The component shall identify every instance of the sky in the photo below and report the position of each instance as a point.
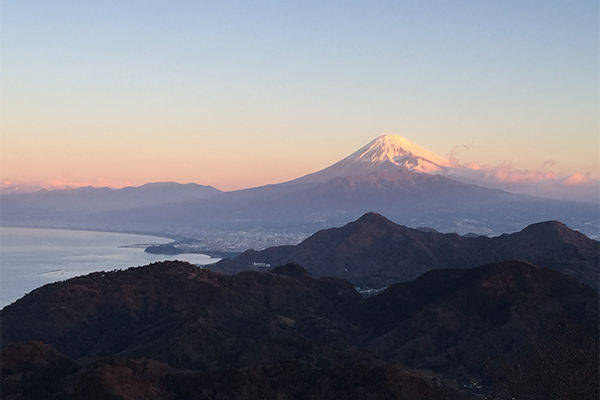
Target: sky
(237, 94)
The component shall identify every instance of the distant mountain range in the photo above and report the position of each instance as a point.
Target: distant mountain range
(375, 252)
(91, 199)
(460, 326)
(390, 175)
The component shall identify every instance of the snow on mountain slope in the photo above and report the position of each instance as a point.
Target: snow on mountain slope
(385, 153)
(401, 152)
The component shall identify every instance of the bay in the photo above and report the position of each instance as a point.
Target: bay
(30, 258)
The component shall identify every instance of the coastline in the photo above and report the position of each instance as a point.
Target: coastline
(34, 257)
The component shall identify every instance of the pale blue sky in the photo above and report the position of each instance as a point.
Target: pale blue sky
(236, 94)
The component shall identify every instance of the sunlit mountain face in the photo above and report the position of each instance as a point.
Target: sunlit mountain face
(386, 153)
(401, 152)
(391, 153)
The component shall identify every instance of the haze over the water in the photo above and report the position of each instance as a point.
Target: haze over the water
(240, 94)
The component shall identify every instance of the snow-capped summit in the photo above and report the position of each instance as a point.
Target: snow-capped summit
(385, 153)
(400, 152)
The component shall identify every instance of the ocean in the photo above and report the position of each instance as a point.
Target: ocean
(30, 258)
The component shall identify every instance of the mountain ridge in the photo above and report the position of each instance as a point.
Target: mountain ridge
(444, 322)
(376, 252)
(96, 199)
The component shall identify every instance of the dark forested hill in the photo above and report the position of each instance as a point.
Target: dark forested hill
(177, 313)
(453, 324)
(36, 371)
(456, 320)
(375, 252)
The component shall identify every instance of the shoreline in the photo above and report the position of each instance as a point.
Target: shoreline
(153, 234)
(175, 239)
(34, 257)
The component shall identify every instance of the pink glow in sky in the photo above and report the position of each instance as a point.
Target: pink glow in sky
(239, 94)
(576, 179)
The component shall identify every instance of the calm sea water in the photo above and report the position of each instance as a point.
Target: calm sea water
(30, 258)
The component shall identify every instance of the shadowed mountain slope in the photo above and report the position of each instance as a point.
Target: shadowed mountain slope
(375, 252)
(34, 370)
(454, 320)
(177, 313)
(457, 324)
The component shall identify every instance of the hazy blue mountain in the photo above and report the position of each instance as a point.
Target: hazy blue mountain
(406, 197)
(390, 176)
(77, 207)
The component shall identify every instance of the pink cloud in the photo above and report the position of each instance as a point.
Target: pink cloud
(538, 182)
(504, 173)
(576, 179)
(507, 174)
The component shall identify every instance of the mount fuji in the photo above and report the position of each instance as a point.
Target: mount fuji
(387, 153)
(390, 175)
